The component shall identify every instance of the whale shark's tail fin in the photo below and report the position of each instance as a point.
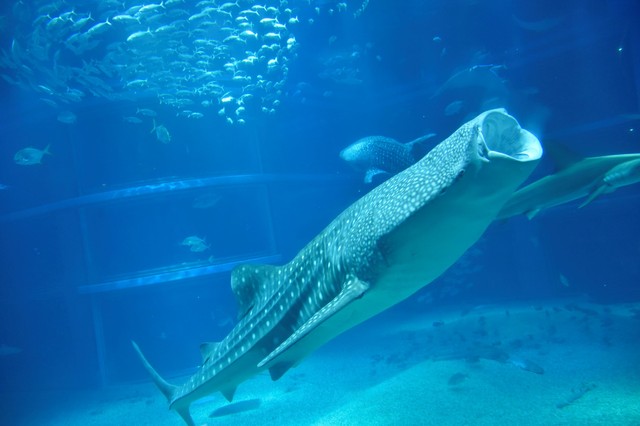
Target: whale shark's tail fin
(167, 389)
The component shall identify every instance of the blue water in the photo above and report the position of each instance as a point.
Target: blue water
(91, 237)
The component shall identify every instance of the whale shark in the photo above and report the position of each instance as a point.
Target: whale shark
(383, 248)
(382, 155)
(577, 177)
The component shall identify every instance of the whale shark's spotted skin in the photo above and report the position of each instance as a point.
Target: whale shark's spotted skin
(384, 247)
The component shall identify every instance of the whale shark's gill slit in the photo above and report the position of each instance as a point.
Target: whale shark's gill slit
(249, 284)
(459, 176)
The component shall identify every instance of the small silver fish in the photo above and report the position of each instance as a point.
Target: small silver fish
(146, 112)
(30, 156)
(99, 28)
(132, 120)
(139, 35)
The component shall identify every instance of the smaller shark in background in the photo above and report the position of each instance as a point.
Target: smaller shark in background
(379, 154)
(577, 177)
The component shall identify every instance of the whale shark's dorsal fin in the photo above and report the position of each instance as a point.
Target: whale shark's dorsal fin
(353, 289)
(249, 283)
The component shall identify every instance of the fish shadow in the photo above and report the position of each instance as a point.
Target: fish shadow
(236, 407)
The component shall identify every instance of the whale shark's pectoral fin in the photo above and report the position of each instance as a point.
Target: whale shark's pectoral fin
(352, 290)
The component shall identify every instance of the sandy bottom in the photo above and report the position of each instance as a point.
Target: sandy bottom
(548, 363)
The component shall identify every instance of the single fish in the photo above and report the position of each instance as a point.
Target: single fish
(206, 201)
(576, 394)
(140, 35)
(195, 244)
(146, 112)
(162, 133)
(99, 28)
(379, 154)
(524, 364)
(30, 156)
(125, 19)
(577, 177)
(386, 246)
(132, 120)
(81, 22)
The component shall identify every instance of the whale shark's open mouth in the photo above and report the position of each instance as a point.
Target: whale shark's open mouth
(504, 137)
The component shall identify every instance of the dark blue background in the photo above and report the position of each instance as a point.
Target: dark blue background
(585, 88)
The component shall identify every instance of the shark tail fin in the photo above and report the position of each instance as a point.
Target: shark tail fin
(46, 150)
(167, 389)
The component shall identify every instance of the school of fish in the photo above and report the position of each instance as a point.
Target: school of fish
(208, 57)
